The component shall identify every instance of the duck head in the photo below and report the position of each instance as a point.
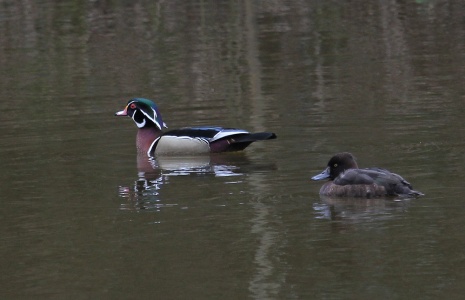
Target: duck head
(144, 112)
(337, 165)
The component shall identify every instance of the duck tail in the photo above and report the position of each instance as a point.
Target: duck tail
(239, 142)
(252, 137)
(414, 193)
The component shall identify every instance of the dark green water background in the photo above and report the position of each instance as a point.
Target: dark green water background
(80, 218)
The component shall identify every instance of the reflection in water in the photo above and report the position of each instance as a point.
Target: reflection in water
(359, 209)
(376, 78)
(156, 173)
(173, 166)
(144, 194)
(266, 281)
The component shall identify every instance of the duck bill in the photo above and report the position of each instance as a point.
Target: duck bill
(322, 175)
(123, 112)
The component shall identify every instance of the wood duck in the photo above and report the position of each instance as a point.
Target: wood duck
(346, 179)
(188, 140)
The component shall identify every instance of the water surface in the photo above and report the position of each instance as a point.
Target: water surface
(82, 217)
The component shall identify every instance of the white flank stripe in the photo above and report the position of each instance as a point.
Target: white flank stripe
(225, 133)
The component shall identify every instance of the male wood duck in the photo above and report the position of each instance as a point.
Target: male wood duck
(347, 180)
(189, 140)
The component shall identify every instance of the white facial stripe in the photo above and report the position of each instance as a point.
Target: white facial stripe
(154, 120)
(140, 125)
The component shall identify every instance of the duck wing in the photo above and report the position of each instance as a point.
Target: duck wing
(357, 176)
(220, 139)
(209, 133)
(393, 183)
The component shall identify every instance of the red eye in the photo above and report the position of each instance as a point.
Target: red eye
(132, 106)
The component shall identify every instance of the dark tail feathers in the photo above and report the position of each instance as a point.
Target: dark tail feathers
(252, 137)
(415, 193)
(240, 141)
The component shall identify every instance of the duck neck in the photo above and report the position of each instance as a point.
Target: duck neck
(145, 137)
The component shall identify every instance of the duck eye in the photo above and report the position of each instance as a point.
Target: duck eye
(335, 165)
(132, 106)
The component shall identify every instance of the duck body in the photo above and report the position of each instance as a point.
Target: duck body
(347, 180)
(183, 141)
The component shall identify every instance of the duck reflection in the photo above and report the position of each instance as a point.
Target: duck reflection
(217, 165)
(154, 174)
(359, 209)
